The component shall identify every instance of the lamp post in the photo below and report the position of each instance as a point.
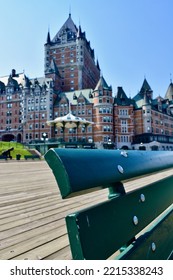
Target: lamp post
(141, 146)
(110, 144)
(44, 138)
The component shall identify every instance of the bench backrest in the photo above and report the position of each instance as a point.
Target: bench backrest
(99, 231)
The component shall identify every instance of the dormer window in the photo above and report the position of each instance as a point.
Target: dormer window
(74, 96)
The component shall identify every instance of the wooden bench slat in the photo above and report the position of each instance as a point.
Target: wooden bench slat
(99, 231)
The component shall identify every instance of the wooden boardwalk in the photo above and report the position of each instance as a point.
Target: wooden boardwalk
(32, 212)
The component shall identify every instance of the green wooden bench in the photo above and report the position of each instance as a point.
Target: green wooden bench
(118, 224)
(31, 157)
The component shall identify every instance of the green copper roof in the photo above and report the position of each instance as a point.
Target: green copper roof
(122, 99)
(73, 96)
(145, 87)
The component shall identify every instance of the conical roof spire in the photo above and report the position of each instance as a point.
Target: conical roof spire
(79, 33)
(98, 66)
(48, 38)
(102, 84)
(169, 92)
(145, 87)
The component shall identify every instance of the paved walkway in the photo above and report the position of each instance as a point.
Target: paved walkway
(32, 212)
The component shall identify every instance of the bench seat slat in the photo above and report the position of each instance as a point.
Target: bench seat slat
(99, 231)
(155, 244)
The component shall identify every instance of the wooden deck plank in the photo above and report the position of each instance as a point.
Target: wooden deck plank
(32, 224)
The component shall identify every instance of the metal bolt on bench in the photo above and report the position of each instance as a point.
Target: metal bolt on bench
(116, 224)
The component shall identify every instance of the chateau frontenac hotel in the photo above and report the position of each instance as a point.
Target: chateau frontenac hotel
(72, 82)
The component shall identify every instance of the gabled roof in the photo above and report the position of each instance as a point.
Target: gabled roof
(19, 78)
(12, 82)
(73, 96)
(42, 81)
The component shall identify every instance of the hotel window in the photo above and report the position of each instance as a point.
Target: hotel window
(123, 122)
(89, 129)
(124, 138)
(124, 129)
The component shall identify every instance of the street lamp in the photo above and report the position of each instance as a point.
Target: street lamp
(109, 144)
(44, 138)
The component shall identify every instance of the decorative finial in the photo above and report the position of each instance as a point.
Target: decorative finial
(70, 11)
(171, 78)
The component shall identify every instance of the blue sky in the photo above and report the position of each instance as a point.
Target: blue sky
(132, 39)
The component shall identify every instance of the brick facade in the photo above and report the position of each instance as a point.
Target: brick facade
(72, 82)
